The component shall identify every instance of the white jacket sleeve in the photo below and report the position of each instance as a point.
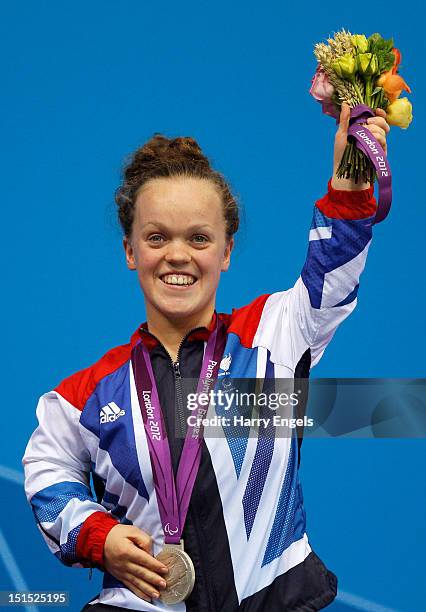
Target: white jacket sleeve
(307, 316)
(57, 477)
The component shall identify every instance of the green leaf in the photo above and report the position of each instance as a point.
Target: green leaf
(386, 60)
(376, 91)
(375, 42)
(389, 45)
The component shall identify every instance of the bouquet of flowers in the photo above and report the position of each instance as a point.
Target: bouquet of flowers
(363, 72)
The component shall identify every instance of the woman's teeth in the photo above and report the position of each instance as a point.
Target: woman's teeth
(178, 279)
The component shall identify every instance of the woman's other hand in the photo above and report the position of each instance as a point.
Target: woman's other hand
(128, 557)
(376, 125)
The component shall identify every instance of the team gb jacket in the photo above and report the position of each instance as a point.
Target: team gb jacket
(245, 529)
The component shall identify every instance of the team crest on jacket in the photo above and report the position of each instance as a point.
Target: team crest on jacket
(224, 372)
(225, 364)
(110, 413)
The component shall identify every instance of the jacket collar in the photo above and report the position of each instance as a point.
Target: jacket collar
(200, 333)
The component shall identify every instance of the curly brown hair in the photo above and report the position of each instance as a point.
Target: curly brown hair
(168, 157)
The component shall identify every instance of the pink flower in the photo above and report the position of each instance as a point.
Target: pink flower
(322, 90)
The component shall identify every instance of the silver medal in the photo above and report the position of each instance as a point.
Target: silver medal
(181, 577)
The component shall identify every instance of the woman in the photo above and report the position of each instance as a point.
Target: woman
(243, 531)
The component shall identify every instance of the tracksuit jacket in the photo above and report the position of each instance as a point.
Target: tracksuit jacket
(245, 529)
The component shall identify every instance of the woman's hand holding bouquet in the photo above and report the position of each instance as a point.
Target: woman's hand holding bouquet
(377, 125)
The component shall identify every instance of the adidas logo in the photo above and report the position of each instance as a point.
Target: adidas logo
(110, 413)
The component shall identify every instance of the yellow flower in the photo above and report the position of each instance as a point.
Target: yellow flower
(368, 64)
(344, 66)
(360, 43)
(400, 113)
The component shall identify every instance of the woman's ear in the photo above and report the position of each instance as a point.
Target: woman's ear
(227, 255)
(130, 257)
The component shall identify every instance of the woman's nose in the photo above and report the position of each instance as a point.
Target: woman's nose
(177, 252)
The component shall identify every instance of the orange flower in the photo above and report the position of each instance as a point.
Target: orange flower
(397, 61)
(391, 82)
(393, 85)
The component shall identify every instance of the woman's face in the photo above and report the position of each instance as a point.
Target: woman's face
(179, 248)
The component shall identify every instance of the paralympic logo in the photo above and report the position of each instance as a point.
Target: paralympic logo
(170, 531)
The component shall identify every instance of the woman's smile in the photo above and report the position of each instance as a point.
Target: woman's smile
(176, 279)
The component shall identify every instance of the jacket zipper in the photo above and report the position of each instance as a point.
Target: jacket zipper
(198, 532)
(179, 397)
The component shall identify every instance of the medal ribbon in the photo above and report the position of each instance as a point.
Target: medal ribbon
(173, 498)
(367, 143)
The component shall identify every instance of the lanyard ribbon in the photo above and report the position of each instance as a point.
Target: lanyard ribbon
(173, 498)
(366, 142)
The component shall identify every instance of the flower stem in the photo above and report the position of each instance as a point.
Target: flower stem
(368, 91)
(358, 91)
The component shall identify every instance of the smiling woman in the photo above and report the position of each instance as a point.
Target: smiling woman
(182, 521)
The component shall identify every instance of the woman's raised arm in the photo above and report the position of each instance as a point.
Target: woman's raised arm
(307, 316)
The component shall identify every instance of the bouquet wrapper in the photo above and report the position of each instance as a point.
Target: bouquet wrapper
(367, 143)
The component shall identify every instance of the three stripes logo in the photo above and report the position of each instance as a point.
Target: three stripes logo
(110, 413)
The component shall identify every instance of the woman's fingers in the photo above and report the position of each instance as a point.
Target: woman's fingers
(376, 130)
(379, 134)
(139, 588)
(140, 538)
(380, 121)
(143, 573)
(126, 544)
(143, 559)
(141, 566)
(380, 112)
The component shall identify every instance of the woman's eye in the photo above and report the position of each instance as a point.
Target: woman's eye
(200, 239)
(156, 238)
